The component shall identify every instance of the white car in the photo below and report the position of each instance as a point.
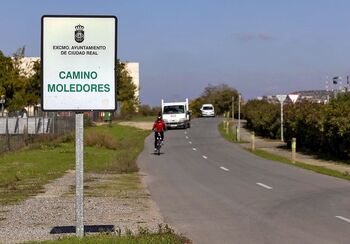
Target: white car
(207, 110)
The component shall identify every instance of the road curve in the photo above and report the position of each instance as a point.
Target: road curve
(215, 192)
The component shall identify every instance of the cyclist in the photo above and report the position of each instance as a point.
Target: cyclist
(158, 127)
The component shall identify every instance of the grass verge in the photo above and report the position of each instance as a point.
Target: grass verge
(317, 169)
(231, 135)
(24, 173)
(164, 235)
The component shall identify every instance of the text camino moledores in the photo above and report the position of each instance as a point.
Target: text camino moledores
(84, 86)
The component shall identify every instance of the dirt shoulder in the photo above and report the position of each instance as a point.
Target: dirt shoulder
(106, 203)
(274, 147)
(141, 125)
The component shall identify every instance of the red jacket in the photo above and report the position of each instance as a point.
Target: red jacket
(159, 125)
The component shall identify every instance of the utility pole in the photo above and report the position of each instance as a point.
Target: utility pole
(327, 89)
(239, 118)
(233, 108)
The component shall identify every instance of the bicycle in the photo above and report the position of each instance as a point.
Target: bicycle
(158, 143)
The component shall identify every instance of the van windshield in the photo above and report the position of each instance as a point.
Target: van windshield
(174, 109)
(208, 108)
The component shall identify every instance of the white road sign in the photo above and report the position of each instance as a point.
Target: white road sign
(293, 97)
(78, 57)
(281, 98)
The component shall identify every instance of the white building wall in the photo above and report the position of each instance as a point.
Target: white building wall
(133, 70)
(26, 66)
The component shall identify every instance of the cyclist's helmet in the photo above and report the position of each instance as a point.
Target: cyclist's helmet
(159, 116)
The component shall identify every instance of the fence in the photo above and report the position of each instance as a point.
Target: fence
(16, 132)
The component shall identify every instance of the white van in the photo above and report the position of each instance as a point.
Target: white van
(207, 110)
(176, 114)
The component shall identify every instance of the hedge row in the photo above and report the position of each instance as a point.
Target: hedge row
(321, 128)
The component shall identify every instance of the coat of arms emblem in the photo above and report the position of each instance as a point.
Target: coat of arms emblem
(79, 33)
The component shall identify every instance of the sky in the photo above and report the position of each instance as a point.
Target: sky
(259, 47)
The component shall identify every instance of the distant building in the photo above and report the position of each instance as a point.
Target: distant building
(316, 96)
(133, 70)
(26, 66)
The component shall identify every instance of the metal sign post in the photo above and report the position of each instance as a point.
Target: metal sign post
(79, 173)
(78, 62)
(281, 98)
(282, 137)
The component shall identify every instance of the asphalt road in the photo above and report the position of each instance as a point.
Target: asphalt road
(215, 192)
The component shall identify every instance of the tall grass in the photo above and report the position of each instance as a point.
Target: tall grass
(94, 139)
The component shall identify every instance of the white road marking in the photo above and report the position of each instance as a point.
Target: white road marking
(186, 137)
(205, 157)
(225, 169)
(190, 142)
(263, 185)
(343, 218)
(185, 132)
(194, 149)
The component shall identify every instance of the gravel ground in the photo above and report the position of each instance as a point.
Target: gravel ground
(33, 219)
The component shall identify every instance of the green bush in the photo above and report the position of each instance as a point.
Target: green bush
(321, 128)
(305, 121)
(263, 118)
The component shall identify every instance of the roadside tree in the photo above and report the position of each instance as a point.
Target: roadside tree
(126, 91)
(220, 96)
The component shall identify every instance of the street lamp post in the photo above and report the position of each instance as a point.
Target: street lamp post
(337, 80)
